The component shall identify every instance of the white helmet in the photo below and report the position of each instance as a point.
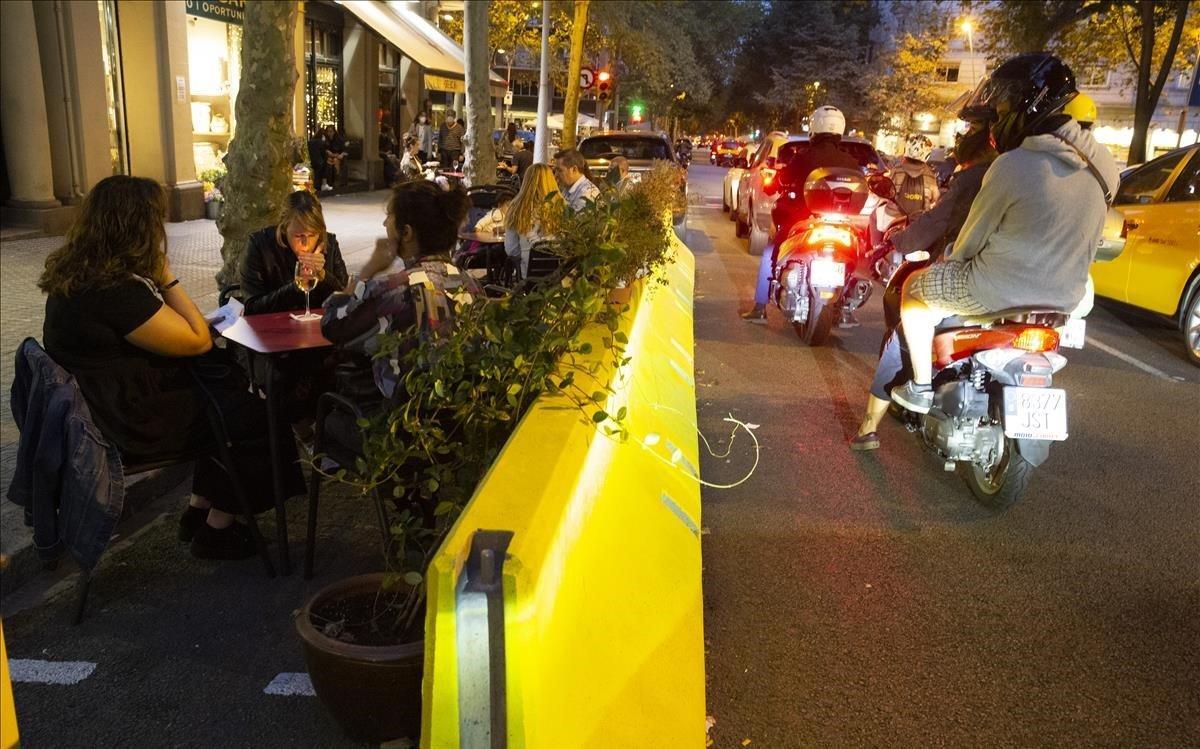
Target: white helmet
(827, 120)
(918, 147)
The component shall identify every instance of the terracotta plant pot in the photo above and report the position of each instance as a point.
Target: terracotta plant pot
(621, 295)
(373, 692)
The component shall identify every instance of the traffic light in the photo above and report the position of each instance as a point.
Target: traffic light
(604, 86)
(635, 112)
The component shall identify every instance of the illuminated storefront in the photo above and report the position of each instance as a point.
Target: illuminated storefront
(323, 67)
(214, 41)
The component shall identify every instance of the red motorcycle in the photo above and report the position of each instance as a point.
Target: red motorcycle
(814, 279)
(995, 412)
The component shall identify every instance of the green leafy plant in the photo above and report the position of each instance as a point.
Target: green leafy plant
(467, 389)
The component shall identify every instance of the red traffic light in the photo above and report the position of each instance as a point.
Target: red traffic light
(604, 82)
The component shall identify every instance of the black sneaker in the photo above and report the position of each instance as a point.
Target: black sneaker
(231, 542)
(758, 315)
(191, 519)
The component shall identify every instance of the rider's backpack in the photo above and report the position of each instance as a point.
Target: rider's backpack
(914, 191)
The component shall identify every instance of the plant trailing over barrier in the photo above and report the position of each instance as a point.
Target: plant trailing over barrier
(469, 388)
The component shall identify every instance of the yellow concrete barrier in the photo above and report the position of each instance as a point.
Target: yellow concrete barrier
(8, 710)
(602, 642)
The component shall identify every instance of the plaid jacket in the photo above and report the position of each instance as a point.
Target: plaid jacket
(425, 296)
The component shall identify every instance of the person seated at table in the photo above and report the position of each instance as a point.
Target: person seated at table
(422, 225)
(523, 224)
(389, 153)
(268, 269)
(118, 319)
(493, 221)
(410, 164)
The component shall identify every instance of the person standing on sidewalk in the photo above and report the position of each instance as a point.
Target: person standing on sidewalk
(422, 133)
(451, 142)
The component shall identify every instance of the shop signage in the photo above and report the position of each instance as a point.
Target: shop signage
(442, 83)
(229, 11)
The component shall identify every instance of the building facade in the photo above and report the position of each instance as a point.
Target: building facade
(92, 88)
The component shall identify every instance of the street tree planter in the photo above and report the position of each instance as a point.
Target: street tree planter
(372, 691)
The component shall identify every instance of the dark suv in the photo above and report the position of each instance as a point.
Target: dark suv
(642, 150)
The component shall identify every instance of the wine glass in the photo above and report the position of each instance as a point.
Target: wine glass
(306, 279)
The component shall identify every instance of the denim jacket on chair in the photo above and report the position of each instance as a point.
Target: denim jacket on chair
(68, 477)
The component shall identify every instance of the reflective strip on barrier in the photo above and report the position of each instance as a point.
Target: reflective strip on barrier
(602, 615)
(8, 710)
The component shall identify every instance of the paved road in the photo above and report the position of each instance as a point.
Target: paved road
(864, 600)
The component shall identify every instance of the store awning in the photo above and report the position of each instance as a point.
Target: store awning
(555, 121)
(440, 56)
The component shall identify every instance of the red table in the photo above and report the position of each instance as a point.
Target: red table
(271, 335)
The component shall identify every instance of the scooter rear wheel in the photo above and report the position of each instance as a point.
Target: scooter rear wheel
(1000, 488)
(816, 332)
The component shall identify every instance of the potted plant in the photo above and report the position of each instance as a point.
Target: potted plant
(214, 201)
(363, 637)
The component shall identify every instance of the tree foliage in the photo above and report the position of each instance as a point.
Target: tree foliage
(1150, 39)
(905, 82)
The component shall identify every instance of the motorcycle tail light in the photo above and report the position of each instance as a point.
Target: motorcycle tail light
(1036, 339)
(1033, 380)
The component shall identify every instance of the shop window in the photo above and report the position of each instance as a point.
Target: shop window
(946, 74)
(214, 68)
(323, 84)
(114, 92)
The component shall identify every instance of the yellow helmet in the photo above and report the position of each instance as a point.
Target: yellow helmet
(1082, 108)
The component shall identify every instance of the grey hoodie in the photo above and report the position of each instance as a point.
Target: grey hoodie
(1033, 230)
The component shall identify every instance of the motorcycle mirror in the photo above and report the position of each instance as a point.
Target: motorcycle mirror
(882, 186)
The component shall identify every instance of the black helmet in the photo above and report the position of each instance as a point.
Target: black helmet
(1020, 95)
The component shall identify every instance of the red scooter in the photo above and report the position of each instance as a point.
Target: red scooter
(814, 278)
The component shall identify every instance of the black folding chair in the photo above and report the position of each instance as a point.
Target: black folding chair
(327, 447)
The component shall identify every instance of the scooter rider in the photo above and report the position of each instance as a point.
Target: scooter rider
(930, 232)
(825, 129)
(915, 181)
(1034, 228)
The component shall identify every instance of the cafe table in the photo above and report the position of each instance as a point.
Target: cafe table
(272, 335)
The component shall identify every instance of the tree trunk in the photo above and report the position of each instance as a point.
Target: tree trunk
(481, 154)
(1149, 91)
(571, 107)
(260, 156)
(541, 142)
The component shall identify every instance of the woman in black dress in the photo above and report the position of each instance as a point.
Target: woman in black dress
(119, 321)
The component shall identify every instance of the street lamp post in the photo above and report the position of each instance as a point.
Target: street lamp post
(968, 28)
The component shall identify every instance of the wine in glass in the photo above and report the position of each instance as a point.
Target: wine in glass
(306, 280)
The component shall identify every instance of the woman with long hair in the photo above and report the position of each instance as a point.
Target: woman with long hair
(118, 319)
(523, 225)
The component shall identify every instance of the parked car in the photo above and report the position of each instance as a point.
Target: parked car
(753, 212)
(1159, 269)
(642, 150)
(729, 191)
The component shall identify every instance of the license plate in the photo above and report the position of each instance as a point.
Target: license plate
(1071, 335)
(1035, 413)
(828, 273)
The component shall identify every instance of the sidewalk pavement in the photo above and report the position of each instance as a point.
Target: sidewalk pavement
(194, 248)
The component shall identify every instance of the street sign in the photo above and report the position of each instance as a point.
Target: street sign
(587, 78)
(508, 98)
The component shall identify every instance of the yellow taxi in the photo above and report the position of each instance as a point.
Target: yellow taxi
(1159, 269)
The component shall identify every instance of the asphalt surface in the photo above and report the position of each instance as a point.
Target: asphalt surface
(865, 600)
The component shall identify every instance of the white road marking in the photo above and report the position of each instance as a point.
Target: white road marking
(49, 672)
(290, 685)
(1129, 359)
